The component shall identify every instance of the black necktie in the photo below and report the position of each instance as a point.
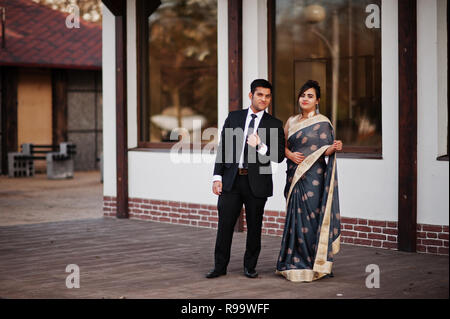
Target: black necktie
(251, 128)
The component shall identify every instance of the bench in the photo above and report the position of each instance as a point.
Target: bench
(59, 160)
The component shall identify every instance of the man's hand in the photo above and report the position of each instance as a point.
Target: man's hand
(217, 187)
(253, 140)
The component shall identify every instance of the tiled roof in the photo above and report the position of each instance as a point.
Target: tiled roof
(37, 36)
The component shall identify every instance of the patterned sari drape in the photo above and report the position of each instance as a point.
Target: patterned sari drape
(311, 234)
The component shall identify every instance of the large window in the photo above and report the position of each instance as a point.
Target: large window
(338, 44)
(177, 47)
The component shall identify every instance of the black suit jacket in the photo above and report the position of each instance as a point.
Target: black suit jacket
(271, 133)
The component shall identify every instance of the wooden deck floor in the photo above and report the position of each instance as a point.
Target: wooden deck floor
(138, 259)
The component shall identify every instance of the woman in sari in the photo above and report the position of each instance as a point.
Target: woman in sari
(312, 229)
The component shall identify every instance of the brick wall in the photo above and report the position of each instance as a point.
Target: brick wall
(432, 239)
(166, 211)
(381, 234)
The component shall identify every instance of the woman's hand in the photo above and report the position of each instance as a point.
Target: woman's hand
(296, 157)
(337, 146)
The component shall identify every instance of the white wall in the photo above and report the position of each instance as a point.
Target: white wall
(153, 175)
(433, 175)
(368, 188)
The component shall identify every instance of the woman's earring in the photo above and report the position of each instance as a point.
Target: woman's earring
(317, 108)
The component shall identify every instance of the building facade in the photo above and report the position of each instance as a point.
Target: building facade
(382, 66)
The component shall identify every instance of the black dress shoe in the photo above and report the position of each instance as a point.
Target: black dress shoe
(214, 274)
(250, 273)
(330, 275)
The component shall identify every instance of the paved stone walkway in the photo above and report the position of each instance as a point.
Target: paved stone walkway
(36, 199)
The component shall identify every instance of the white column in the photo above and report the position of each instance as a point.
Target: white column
(131, 75)
(109, 101)
(254, 45)
(432, 175)
(442, 75)
(222, 62)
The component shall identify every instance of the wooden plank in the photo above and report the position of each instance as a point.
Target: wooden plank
(9, 114)
(59, 106)
(142, 74)
(235, 54)
(235, 68)
(121, 117)
(117, 7)
(407, 195)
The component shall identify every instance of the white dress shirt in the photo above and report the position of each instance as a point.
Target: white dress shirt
(262, 149)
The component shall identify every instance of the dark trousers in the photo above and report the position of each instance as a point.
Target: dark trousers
(229, 207)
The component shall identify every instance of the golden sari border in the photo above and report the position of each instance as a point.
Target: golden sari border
(300, 275)
(324, 268)
(308, 122)
(320, 262)
(336, 246)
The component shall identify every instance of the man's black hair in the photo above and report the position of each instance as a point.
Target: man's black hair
(260, 83)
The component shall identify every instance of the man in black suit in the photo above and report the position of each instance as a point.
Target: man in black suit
(250, 140)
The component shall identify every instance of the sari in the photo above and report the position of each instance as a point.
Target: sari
(311, 235)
